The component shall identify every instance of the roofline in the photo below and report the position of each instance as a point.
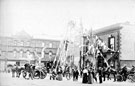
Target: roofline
(108, 29)
(45, 39)
(30, 38)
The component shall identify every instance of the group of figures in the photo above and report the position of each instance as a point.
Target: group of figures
(90, 75)
(29, 71)
(68, 72)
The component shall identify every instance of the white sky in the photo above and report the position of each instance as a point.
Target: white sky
(51, 17)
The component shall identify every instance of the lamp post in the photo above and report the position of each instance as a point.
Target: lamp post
(118, 34)
(6, 56)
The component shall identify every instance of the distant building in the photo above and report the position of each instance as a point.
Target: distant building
(119, 37)
(16, 49)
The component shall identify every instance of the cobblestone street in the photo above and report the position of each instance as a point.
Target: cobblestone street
(7, 80)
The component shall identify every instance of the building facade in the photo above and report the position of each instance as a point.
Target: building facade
(120, 38)
(15, 49)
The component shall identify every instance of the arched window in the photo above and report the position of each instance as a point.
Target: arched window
(111, 42)
(27, 53)
(14, 53)
(50, 45)
(50, 54)
(21, 54)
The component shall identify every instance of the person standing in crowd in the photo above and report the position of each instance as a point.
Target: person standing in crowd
(32, 68)
(100, 74)
(124, 73)
(65, 70)
(53, 74)
(132, 69)
(81, 72)
(13, 70)
(104, 73)
(17, 72)
(28, 68)
(76, 74)
(85, 75)
(113, 71)
(59, 72)
(94, 74)
(90, 78)
(108, 73)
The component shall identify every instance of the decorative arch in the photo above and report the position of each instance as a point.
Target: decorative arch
(21, 53)
(14, 53)
(50, 52)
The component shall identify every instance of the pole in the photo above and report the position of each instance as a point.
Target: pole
(6, 56)
(119, 65)
(82, 56)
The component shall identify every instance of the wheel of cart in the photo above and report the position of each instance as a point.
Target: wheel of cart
(68, 76)
(44, 73)
(119, 78)
(131, 77)
(40, 73)
(36, 74)
(53, 76)
(23, 73)
(26, 75)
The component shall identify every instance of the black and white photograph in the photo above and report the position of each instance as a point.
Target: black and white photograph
(67, 43)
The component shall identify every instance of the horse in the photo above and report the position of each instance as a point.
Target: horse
(18, 70)
(110, 71)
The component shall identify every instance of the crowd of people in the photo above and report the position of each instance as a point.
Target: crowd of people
(102, 73)
(89, 74)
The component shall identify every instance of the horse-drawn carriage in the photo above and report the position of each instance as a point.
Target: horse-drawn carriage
(129, 75)
(40, 72)
(30, 72)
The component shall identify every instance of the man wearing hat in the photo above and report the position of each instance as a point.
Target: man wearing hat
(85, 75)
(124, 72)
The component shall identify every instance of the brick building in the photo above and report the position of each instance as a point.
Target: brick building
(119, 37)
(15, 49)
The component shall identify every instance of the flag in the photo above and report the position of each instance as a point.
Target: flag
(97, 43)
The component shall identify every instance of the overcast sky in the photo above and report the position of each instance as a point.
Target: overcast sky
(51, 17)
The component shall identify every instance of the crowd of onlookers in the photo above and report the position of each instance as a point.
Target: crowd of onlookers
(89, 74)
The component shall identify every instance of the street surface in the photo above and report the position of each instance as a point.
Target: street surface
(7, 80)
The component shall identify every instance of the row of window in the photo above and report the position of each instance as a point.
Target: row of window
(32, 44)
(21, 54)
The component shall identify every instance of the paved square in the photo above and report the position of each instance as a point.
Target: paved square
(7, 80)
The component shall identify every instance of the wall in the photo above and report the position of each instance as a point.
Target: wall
(128, 63)
(128, 42)
(8, 45)
(105, 37)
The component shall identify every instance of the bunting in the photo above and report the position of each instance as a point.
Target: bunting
(93, 47)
